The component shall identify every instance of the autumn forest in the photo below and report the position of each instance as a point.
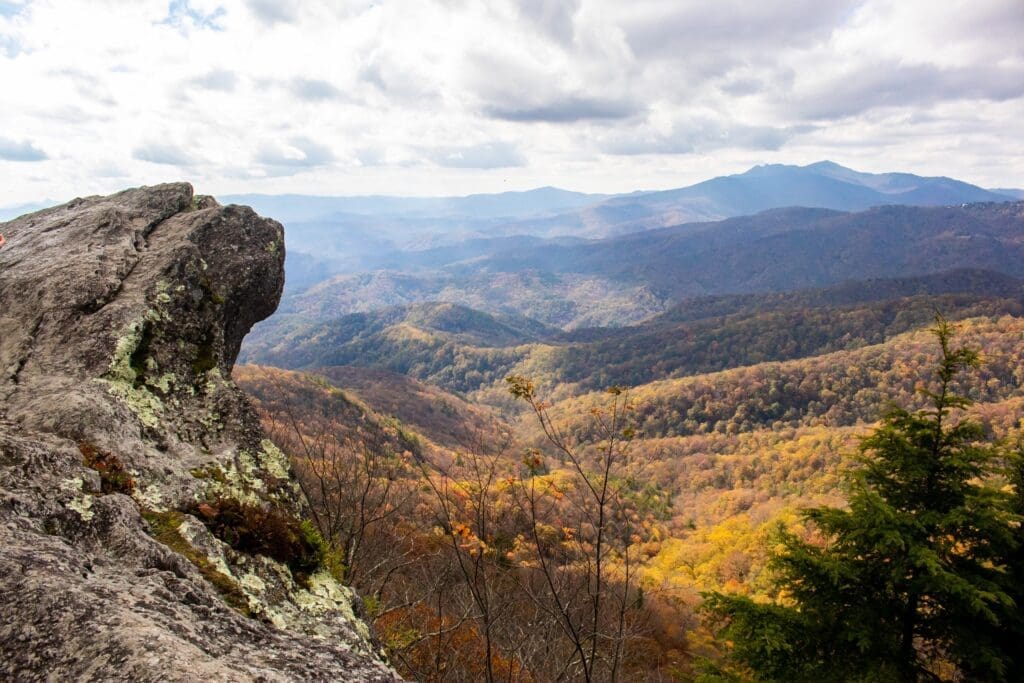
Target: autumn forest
(684, 497)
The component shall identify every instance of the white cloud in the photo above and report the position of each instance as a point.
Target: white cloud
(275, 11)
(299, 152)
(216, 79)
(443, 96)
(162, 153)
(314, 89)
(486, 155)
(20, 150)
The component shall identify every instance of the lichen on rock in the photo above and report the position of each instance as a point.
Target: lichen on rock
(122, 318)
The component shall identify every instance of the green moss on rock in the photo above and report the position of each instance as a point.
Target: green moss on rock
(265, 530)
(165, 528)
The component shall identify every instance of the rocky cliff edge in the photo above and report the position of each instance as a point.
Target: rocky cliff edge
(148, 529)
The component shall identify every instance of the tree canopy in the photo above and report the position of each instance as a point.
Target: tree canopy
(910, 581)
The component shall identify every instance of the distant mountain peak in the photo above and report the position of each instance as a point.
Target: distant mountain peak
(760, 168)
(823, 165)
(826, 163)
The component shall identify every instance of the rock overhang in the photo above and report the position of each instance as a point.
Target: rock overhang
(120, 320)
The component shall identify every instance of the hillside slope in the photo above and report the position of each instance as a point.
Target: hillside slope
(833, 389)
(440, 417)
(698, 336)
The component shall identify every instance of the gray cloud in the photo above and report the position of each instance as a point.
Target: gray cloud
(744, 85)
(372, 72)
(553, 17)
(70, 114)
(20, 150)
(566, 109)
(700, 136)
(89, 86)
(220, 80)
(487, 155)
(370, 156)
(162, 153)
(893, 85)
(274, 11)
(310, 154)
(314, 90)
(397, 80)
(527, 91)
(691, 30)
(1000, 24)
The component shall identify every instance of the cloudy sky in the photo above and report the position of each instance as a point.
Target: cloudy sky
(456, 96)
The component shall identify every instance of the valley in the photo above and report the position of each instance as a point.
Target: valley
(746, 359)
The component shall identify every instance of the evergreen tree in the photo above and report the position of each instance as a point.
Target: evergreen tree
(909, 582)
(1008, 633)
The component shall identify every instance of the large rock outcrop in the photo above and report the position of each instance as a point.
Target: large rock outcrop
(120, 320)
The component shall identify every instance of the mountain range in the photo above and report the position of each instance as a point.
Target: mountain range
(571, 284)
(331, 227)
(572, 260)
(747, 354)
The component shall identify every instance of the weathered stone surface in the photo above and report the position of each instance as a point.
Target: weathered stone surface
(120, 320)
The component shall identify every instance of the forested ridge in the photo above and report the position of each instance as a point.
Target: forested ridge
(716, 461)
(467, 351)
(615, 503)
(834, 389)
